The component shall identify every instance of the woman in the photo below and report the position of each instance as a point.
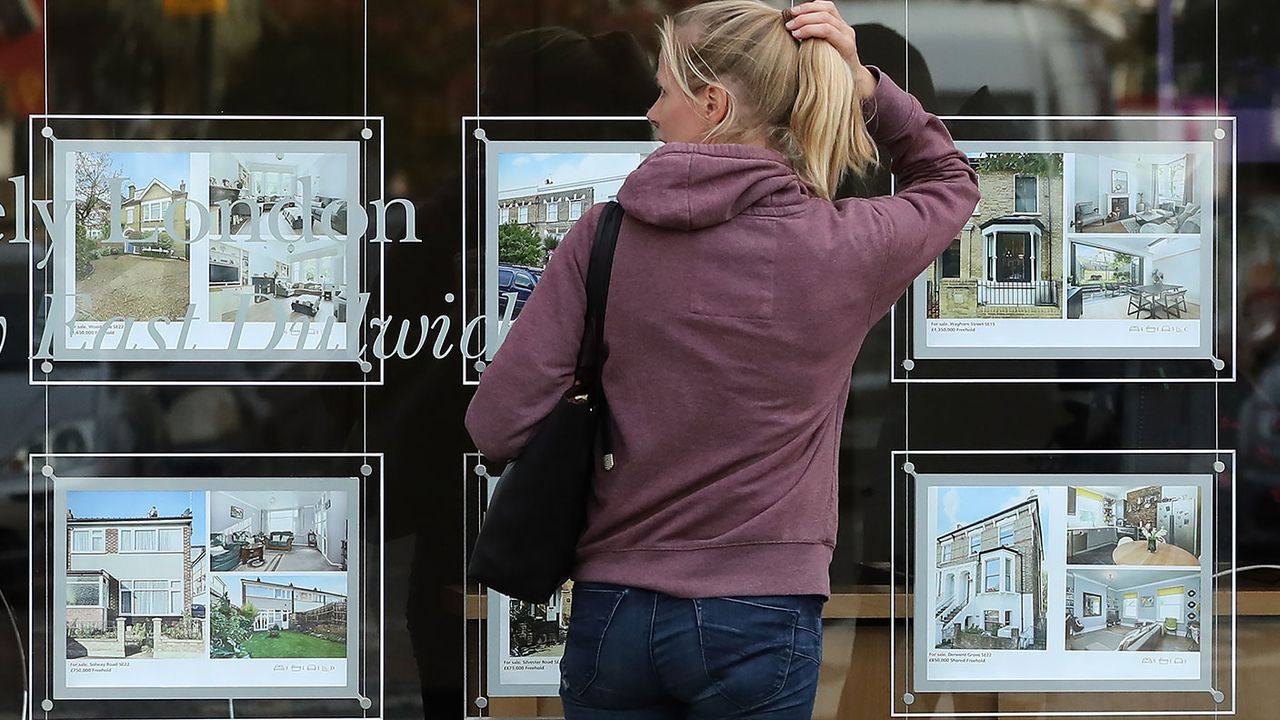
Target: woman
(739, 299)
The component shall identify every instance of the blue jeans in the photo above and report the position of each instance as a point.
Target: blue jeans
(641, 655)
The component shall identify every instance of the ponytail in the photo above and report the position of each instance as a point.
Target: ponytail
(827, 126)
(800, 97)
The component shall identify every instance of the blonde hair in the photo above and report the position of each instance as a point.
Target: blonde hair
(799, 96)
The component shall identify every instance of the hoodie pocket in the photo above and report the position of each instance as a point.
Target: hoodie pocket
(739, 284)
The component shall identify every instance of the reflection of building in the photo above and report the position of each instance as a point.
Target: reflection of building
(989, 592)
(551, 212)
(136, 568)
(1006, 262)
(281, 603)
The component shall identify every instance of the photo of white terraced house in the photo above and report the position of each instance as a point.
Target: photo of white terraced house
(989, 570)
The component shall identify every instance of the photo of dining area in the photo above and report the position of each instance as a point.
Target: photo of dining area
(1136, 278)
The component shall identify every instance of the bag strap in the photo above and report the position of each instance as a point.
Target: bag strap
(592, 353)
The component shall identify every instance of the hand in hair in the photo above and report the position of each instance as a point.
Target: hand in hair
(821, 19)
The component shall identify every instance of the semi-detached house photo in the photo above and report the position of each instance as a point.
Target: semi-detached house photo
(1129, 610)
(278, 531)
(989, 569)
(135, 582)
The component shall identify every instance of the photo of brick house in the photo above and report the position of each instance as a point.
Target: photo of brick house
(133, 578)
(989, 572)
(1007, 260)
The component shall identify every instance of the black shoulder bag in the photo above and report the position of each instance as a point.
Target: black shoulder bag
(535, 518)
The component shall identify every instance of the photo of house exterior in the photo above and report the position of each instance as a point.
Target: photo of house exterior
(1007, 260)
(142, 215)
(279, 616)
(990, 580)
(133, 579)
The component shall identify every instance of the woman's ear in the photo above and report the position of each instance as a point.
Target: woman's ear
(715, 106)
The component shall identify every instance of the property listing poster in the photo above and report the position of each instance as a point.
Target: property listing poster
(201, 250)
(526, 641)
(1077, 250)
(243, 585)
(1055, 582)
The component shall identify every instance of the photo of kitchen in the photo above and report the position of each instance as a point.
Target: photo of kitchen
(255, 183)
(1135, 278)
(1150, 525)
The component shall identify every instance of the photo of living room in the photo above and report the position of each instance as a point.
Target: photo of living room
(1133, 610)
(1147, 194)
(1135, 278)
(306, 285)
(263, 180)
(278, 531)
(1151, 525)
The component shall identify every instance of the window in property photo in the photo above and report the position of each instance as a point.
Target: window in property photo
(523, 214)
(1011, 257)
(84, 592)
(153, 211)
(128, 215)
(1006, 532)
(991, 575)
(975, 541)
(150, 597)
(1008, 574)
(951, 260)
(152, 540)
(991, 620)
(1026, 198)
(1129, 609)
(1169, 603)
(575, 209)
(946, 551)
(511, 215)
(88, 541)
(553, 211)
(280, 521)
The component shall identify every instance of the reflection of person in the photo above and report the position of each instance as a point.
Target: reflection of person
(739, 298)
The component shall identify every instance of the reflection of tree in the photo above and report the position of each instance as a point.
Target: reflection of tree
(519, 245)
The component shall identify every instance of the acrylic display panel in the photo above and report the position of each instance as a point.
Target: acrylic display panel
(1086, 258)
(1059, 582)
(527, 181)
(199, 580)
(243, 243)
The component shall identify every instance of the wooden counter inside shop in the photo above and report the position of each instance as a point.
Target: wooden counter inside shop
(854, 680)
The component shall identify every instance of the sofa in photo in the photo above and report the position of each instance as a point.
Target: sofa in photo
(278, 531)
(1127, 193)
(1122, 610)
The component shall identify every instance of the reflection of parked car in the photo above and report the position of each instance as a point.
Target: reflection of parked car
(517, 281)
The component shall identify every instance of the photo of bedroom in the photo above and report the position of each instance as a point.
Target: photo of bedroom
(308, 284)
(257, 182)
(1135, 278)
(278, 531)
(1146, 194)
(1151, 525)
(1134, 610)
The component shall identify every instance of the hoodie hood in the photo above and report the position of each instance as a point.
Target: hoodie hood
(684, 186)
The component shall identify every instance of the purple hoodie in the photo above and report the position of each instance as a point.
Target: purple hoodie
(737, 306)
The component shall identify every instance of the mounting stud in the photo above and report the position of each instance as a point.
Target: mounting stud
(479, 134)
(909, 468)
(1220, 134)
(47, 132)
(482, 702)
(46, 367)
(481, 470)
(479, 366)
(908, 699)
(1219, 466)
(908, 364)
(367, 134)
(366, 470)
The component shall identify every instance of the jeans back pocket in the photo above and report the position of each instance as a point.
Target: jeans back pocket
(747, 647)
(593, 611)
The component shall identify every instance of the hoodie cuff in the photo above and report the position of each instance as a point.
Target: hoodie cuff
(888, 110)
